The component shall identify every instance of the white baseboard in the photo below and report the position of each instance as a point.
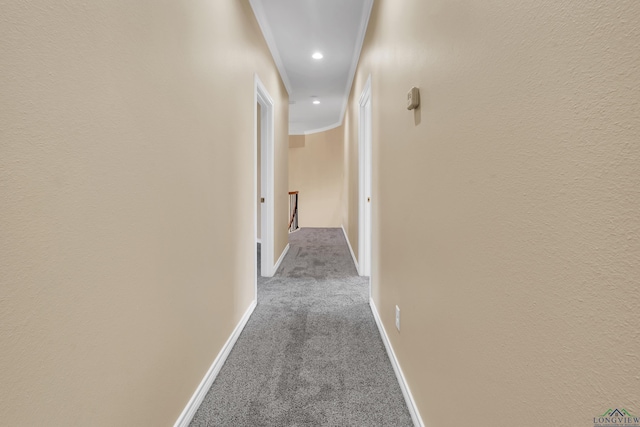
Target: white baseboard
(355, 261)
(194, 403)
(275, 267)
(406, 392)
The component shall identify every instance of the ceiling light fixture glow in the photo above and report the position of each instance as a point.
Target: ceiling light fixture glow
(317, 55)
(316, 102)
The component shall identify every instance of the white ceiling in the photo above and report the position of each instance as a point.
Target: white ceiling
(294, 30)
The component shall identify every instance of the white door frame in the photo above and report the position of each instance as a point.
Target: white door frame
(364, 171)
(262, 97)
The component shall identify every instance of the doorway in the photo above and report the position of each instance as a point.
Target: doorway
(263, 178)
(364, 163)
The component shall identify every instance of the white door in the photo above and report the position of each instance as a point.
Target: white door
(364, 156)
(264, 195)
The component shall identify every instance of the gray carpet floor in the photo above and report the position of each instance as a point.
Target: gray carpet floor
(311, 354)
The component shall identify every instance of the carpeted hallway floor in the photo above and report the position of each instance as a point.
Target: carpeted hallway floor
(311, 354)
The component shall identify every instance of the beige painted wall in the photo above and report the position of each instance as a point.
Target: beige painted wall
(316, 171)
(296, 141)
(126, 181)
(516, 264)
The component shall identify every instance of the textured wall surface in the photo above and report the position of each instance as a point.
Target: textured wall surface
(316, 171)
(126, 189)
(506, 209)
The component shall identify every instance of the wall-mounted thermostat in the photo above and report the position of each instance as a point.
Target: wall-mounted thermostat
(413, 98)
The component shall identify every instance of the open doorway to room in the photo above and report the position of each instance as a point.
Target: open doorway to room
(259, 186)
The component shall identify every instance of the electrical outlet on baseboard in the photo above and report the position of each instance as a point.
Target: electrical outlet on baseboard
(398, 318)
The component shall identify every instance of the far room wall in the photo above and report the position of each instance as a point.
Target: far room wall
(316, 170)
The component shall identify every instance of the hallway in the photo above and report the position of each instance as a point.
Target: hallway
(311, 353)
(504, 213)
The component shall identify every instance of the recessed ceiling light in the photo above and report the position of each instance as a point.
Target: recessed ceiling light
(317, 55)
(316, 102)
